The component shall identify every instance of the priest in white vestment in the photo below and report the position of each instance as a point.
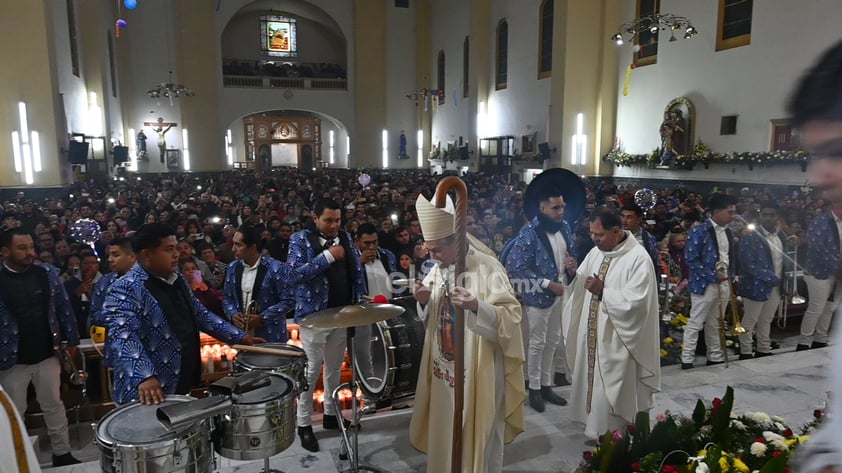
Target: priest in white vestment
(494, 356)
(611, 325)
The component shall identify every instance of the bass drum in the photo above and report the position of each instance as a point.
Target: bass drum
(388, 355)
(132, 440)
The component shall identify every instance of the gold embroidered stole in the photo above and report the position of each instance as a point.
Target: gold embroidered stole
(592, 323)
(18, 438)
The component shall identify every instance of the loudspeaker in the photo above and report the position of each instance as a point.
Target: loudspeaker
(121, 155)
(544, 149)
(77, 152)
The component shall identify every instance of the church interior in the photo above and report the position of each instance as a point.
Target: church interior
(123, 89)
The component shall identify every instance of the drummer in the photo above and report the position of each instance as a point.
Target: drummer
(379, 265)
(258, 291)
(329, 275)
(154, 321)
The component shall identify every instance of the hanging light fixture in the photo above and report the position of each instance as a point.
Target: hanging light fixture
(169, 89)
(631, 30)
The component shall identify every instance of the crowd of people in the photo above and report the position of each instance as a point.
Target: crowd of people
(252, 249)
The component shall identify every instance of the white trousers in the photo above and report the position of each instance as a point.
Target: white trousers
(815, 323)
(544, 339)
(757, 320)
(704, 313)
(46, 379)
(321, 345)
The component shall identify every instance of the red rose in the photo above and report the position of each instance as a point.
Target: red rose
(716, 404)
(818, 413)
(669, 469)
(635, 466)
(760, 439)
(777, 454)
(587, 455)
(631, 429)
(788, 433)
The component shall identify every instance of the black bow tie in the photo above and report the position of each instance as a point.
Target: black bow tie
(328, 240)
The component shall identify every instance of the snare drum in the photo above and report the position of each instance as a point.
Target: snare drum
(261, 423)
(132, 440)
(396, 346)
(294, 367)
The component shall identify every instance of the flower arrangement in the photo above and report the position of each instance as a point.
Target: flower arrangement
(703, 154)
(529, 157)
(712, 440)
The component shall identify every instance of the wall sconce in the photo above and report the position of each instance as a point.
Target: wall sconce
(26, 148)
(186, 150)
(580, 142)
(385, 149)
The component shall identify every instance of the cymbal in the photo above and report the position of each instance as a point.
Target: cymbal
(355, 315)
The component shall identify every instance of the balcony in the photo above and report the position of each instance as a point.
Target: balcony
(269, 82)
(277, 75)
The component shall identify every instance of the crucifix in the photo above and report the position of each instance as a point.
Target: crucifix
(161, 128)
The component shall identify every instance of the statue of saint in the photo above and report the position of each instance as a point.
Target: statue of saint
(402, 147)
(140, 142)
(672, 137)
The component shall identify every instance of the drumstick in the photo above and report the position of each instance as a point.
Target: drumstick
(268, 351)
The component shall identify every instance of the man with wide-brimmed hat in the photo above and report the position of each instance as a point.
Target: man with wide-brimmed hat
(493, 347)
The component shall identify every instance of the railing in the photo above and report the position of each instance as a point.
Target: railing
(269, 82)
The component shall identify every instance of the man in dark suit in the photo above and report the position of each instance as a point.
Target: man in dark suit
(328, 274)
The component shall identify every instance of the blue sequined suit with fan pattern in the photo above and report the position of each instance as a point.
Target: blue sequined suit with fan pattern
(310, 264)
(823, 247)
(141, 343)
(756, 268)
(274, 297)
(531, 259)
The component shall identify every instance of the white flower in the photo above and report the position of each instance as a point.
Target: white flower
(702, 467)
(760, 418)
(758, 449)
(779, 427)
(738, 425)
(775, 440)
(778, 419)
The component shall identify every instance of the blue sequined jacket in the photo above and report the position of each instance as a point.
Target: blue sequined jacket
(530, 260)
(273, 298)
(140, 342)
(702, 253)
(310, 266)
(822, 247)
(756, 268)
(98, 297)
(59, 314)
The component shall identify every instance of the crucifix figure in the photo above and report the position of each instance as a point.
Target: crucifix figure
(161, 127)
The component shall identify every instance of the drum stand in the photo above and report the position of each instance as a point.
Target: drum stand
(267, 469)
(350, 443)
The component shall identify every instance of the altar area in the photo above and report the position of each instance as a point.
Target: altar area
(789, 384)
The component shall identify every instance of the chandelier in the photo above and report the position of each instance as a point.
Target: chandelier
(169, 90)
(630, 31)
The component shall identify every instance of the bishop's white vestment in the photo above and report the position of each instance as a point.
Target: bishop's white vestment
(613, 344)
(494, 357)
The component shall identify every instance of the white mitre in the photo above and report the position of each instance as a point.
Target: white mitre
(436, 223)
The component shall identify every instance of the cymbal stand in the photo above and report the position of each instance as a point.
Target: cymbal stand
(350, 441)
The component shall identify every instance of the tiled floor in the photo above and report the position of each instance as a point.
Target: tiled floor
(788, 384)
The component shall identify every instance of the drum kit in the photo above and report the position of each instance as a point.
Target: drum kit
(250, 415)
